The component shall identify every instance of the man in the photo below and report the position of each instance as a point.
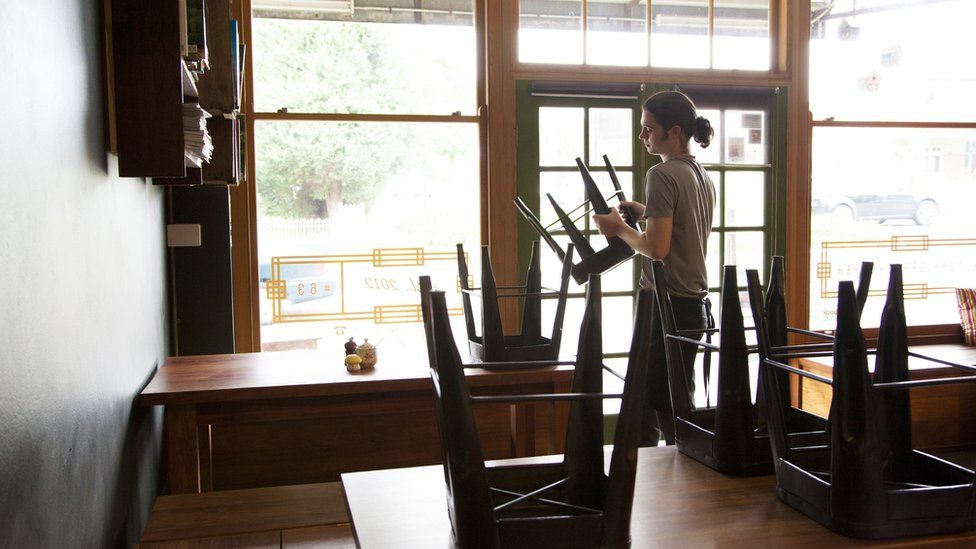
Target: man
(678, 220)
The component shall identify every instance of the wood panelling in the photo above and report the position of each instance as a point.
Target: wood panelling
(940, 414)
(261, 419)
(289, 516)
(502, 22)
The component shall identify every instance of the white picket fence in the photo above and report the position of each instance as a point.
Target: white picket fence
(296, 228)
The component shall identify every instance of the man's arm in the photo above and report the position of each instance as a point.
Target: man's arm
(654, 242)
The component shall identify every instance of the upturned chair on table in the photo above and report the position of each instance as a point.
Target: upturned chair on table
(567, 501)
(529, 344)
(868, 481)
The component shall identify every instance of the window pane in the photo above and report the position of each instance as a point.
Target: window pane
(566, 189)
(618, 323)
(745, 199)
(603, 182)
(572, 319)
(741, 35)
(616, 33)
(345, 207)
(713, 261)
(716, 178)
(552, 267)
(711, 154)
(679, 34)
(361, 67)
(905, 197)
(550, 31)
(744, 249)
(619, 278)
(612, 134)
(560, 136)
(745, 139)
(612, 384)
(907, 62)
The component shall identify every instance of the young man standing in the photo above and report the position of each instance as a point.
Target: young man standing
(678, 220)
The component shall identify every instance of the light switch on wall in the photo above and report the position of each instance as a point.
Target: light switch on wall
(182, 235)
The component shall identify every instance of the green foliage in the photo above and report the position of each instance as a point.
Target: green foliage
(306, 169)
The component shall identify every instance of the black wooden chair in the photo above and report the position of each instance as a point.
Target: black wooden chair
(591, 262)
(567, 502)
(529, 344)
(869, 482)
(800, 428)
(726, 436)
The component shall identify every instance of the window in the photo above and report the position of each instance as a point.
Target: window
(892, 175)
(701, 34)
(367, 168)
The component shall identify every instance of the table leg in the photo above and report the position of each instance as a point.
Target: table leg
(206, 458)
(181, 437)
(523, 429)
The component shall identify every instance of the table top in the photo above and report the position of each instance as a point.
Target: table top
(678, 503)
(290, 374)
(919, 367)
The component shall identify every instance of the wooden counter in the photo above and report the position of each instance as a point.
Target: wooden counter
(264, 419)
(940, 415)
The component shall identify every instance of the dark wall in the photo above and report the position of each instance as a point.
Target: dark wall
(83, 303)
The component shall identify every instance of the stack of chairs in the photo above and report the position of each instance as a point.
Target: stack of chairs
(868, 481)
(572, 502)
(529, 344)
(730, 437)
(591, 262)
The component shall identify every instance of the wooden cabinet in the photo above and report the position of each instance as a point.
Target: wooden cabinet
(151, 83)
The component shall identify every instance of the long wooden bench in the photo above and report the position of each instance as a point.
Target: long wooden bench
(304, 515)
(940, 415)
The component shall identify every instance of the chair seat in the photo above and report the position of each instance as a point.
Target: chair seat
(554, 531)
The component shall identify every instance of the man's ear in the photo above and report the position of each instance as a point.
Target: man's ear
(675, 132)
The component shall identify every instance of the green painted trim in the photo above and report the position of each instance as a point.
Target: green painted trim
(777, 201)
(527, 159)
(528, 169)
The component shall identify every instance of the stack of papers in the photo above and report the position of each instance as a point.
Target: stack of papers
(198, 147)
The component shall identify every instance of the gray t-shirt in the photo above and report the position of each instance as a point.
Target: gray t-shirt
(681, 189)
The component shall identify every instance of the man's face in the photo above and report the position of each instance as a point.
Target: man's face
(654, 137)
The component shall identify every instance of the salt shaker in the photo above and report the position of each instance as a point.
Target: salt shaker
(368, 353)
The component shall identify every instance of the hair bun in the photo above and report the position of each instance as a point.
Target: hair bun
(703, 131)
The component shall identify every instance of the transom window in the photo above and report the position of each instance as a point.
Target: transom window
(700, 34)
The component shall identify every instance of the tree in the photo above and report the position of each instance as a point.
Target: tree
(307, 169)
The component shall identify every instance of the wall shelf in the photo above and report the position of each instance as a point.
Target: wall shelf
(152, 81)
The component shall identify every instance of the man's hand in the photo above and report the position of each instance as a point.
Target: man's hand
(610, 224)
(631, 211)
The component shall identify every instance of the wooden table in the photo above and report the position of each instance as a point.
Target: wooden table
(263, 419)
(940, 415)
(678, 503)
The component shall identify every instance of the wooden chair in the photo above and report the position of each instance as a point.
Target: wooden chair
(591, 262)
(560, 502)
(869, 482)
(802, 429)
(724, 437)
(529, 344)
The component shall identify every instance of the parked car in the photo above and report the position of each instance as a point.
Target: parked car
(879, 207)
(302, 282)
